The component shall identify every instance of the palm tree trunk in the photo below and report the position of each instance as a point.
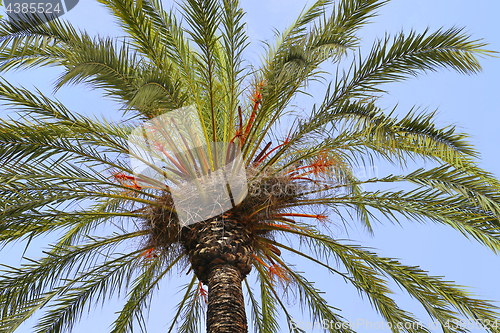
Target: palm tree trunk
(226, 308)
(220, 252)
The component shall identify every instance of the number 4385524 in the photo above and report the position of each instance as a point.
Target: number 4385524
(33, 8)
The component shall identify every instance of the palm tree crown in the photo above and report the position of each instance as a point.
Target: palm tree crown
(69, 174)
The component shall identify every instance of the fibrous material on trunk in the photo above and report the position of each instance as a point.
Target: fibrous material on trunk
(227, 239)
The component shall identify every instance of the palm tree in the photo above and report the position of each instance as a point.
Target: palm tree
(118, 230)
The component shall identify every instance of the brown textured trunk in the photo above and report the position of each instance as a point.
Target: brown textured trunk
(220, 252)
(226, 308)
(219, 242)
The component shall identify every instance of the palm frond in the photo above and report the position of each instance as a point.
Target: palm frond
(32, 45)
(203, 18)
(97, 284)
(141, 293)
(442, 300)
(29, 284)
(405, 55)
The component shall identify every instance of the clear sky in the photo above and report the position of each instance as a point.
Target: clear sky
(470, 102)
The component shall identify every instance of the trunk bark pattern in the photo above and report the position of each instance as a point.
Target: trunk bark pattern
(226, 307)
(220, 251)
(219, 242)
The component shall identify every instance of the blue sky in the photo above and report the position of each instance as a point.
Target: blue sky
(469, 102)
